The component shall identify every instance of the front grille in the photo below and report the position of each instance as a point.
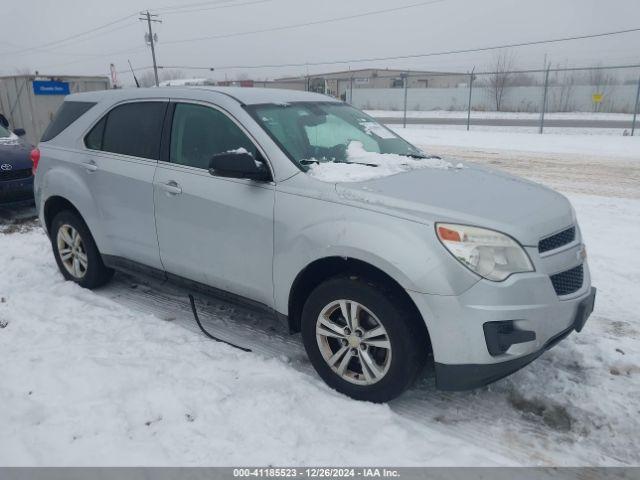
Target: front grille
(6, 176)
(558, 240)
(565, 283)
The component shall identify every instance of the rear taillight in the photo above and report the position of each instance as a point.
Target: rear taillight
(35, 159)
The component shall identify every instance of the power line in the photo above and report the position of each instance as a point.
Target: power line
(185, 67)
(432, 54)
(36, 50)
(72, 37)
(192, 10)
(102, 55)
(42, 48)
(400, 57)
(417, 73)
(162, 8)
(305, 24)
(137, 69)
(364, 14)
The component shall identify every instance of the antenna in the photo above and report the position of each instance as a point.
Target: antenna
(134, 75)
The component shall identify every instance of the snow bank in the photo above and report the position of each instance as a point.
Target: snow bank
(475, 114)
(86, 381)
(369, 165)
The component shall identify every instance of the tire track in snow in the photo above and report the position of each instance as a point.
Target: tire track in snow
(591, 175)
(484, 416)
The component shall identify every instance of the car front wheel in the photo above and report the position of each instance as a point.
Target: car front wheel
(363, 341)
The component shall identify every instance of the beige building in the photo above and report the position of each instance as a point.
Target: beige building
(31, 101)
(338, 84)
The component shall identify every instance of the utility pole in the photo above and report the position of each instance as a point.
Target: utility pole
(543, 108)
(470, 93)
(635, 109)
(150, 18)
(405, 77)
(351, 90)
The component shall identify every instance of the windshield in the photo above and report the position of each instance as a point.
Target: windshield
(318, 132)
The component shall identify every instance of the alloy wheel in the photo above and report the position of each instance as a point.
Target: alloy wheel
(71, 251)
(353, 342)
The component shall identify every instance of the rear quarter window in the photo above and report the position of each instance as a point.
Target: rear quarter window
(68, 113)
(93, 140)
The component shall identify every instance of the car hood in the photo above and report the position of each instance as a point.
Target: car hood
(471, 195)
(15, 153)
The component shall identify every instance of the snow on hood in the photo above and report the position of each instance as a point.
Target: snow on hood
(369, 165)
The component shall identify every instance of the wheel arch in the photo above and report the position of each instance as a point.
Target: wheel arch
(56, 204)
(325, 268)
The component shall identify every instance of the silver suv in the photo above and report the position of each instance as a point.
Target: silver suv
(382, 257)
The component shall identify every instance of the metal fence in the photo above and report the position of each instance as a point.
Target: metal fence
(584, 97)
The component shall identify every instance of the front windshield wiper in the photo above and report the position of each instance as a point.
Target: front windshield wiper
(421, 157)
(318, 162)
(360, 163)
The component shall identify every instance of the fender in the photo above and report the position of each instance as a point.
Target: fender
(400, 249)
(64, 181)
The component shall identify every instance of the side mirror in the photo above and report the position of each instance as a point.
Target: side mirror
(238, 164)
(19, 132)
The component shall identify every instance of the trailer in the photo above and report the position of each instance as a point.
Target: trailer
(30, 101)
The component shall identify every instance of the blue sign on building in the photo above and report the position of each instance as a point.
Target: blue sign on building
(49, 87)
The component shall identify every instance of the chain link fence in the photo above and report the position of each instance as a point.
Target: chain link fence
(557, 97)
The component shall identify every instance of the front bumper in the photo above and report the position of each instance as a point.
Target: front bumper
(469, 376)
(494, 328)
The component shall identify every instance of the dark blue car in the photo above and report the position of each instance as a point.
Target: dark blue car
(16, 178)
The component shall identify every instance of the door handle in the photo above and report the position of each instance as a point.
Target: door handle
(90, 166)
(171, 187)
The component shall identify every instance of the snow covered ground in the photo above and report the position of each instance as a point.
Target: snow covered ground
(583, 145)
(122, 376)
(501, 115)
(602, 129)
(618, 132)
(570, 163)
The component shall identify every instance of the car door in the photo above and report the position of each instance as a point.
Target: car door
(214, 230)
(123, 149)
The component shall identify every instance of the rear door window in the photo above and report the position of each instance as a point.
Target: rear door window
(131, 129)
(68, 113)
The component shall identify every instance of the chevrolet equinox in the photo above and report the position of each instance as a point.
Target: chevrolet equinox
(382, 257)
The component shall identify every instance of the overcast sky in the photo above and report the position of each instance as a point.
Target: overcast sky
(439, 26)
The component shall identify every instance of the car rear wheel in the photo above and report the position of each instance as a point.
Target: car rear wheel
(76, 253)
(362, 340)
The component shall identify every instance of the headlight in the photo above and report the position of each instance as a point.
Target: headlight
(490, 254)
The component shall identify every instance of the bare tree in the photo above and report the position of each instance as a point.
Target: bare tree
(501, 77)
(23, 71)
(523, 80)
(561, 97)
(147, 79)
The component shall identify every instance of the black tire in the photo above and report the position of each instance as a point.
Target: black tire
(408, 340)
(96, 273)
